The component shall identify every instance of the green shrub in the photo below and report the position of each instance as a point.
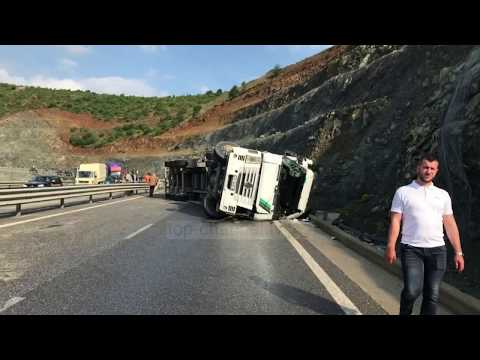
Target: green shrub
(83, 138)
(196, 110)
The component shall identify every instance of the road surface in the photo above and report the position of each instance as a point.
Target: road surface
(138, 255)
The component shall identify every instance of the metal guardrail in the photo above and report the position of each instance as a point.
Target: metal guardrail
(18, 197)
(19, 184)
(11, 184)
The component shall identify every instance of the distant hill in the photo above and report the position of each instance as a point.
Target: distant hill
(133, 116)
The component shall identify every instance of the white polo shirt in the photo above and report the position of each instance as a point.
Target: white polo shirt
(422, 209)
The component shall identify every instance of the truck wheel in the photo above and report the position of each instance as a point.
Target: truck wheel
(223, 148)
(210, 208)
(176, 163)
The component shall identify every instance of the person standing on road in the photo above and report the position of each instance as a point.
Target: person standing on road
(422, 210)
(146, 177)
(151, 180)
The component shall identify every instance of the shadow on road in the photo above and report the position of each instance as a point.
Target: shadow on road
(187, 209)
(299, 297)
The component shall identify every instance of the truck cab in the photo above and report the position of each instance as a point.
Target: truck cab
(265, 186)
(91, 174)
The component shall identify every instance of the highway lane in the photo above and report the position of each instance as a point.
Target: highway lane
(153, 256)
(10, 211)
(33, 252)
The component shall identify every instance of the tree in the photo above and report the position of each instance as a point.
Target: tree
(219, 92)
(234, 92)
(275, 71)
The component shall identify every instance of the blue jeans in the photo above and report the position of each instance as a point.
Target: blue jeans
(423, 270)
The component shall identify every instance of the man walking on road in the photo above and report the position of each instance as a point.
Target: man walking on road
(422, 210)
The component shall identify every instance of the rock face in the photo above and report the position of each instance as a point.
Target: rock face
(27, 139)
(367, 118)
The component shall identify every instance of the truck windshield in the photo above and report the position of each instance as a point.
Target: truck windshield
(85, 174)
(39, 178)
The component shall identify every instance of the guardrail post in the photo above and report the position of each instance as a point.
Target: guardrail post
(19, 210)
(62, 203)
(91, 199)
(110, 196)
(136, 192)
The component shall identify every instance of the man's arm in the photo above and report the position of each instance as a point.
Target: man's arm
(454, 237)
(393, 232)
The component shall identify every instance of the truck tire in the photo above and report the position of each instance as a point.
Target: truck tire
(176, 163)
(210, 208)
(223, 148)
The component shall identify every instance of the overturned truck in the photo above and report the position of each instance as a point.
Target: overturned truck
(234, 181)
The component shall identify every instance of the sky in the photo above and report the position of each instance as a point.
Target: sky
(144, 70)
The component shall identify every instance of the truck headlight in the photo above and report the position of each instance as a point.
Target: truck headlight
(41, 185)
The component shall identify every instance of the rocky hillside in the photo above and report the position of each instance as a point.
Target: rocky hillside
(365, 118)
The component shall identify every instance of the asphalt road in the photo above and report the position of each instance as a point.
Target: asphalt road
(138, 255)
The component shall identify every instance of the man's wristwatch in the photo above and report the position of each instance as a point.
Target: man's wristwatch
(459, 253)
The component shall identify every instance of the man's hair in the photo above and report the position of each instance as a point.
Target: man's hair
(429, 157)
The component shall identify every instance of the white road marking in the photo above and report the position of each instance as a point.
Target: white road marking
(66, 212)
(138, 231)
(342, 300)
(11, 302)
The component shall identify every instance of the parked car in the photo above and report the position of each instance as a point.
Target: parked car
(42, 181)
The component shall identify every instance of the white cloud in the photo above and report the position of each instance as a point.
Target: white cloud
(53, 83)
(152, 48)
(67, 64)
(118, 85)
(77, 49)
(108, 85)
(204, 89)
(5, 77)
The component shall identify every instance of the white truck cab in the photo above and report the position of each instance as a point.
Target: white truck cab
(252, 183)
(91, 174)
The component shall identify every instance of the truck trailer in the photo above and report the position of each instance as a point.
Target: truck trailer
(230, 180)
